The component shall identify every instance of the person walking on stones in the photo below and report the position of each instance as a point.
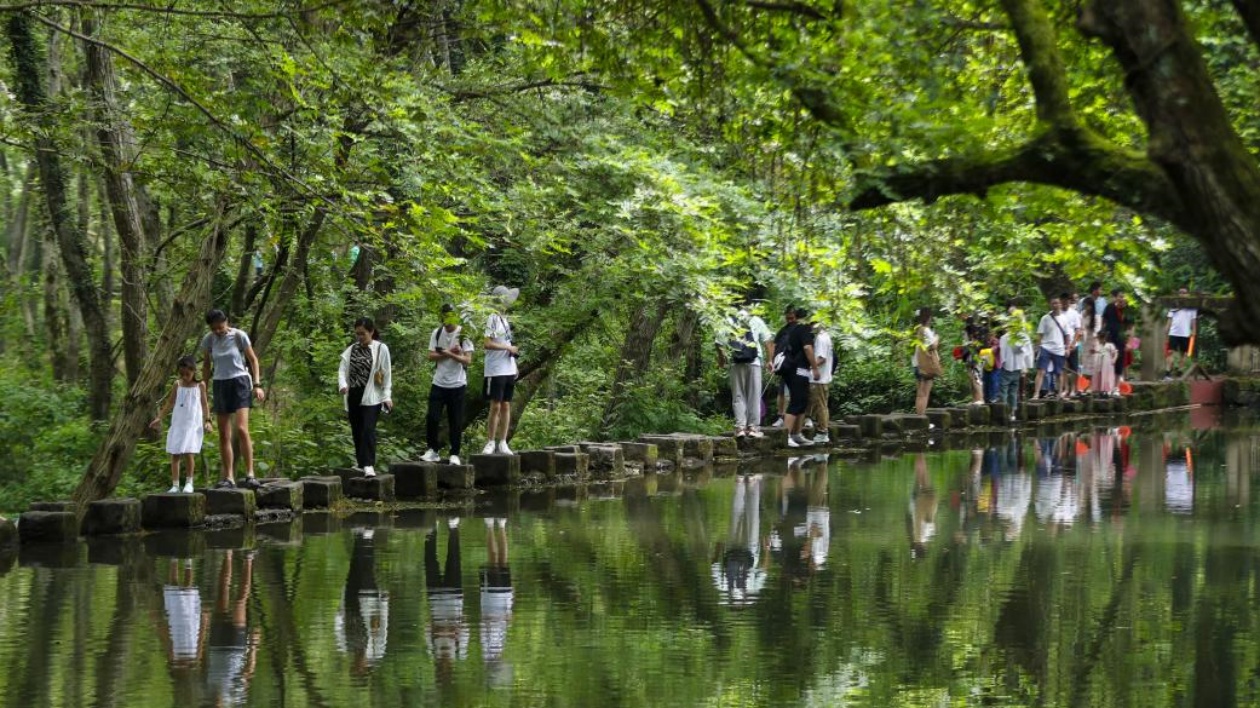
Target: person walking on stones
(500, 371)
(802, 367)
(1183, 326)
(751, 335)
(236, 384)
(925, 360)
(820, 386)
(190, 421)
(1052, 340)
(451, 353)
(780, 344)
(1115, 320)
(365, 379)
(1016, 357)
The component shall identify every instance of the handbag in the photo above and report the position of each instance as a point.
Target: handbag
(929, 363)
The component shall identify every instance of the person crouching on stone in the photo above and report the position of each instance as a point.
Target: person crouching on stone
(366, 380)
(451, 353)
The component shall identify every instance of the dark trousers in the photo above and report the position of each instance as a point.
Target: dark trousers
(362, 427)
(453, 400)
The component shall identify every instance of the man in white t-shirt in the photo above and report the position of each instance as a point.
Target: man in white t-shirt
(451, 353)
(500, 371)
(745, 351)
(820, 385)
(1052, 338)
(1183, 325)
(1073, 323)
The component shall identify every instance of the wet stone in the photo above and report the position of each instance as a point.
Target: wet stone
(538, 464)
(106, 517)
(644, 453)
(871, 425)
(379, 488)
(606, 461)
(320, 522)
(668, 449)
(235, 539)
(346, 474)
(846, 432)
(280, 495)
(8, 533)
(176, 543)
(696, 447)
(415, 480)
(287, 533)
(911, 423)
(234, 502)
(125, 551)
(977, 415)
(1100, 405)
(457, 477)
(1071, 406)
(574, 466)
(496, 470)
(48, 555)
(1035, 410)
(160, 511)
(940, 418)
(321, 492)
(48, 527)
(1121, 405)
(891, 425)
(999, 413)
(725, 447)
(53, 506)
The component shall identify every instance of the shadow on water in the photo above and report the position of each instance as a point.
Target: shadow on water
(1107, 567)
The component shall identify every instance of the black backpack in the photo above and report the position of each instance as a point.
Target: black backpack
(744, 349)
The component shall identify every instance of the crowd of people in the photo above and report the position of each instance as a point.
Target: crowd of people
(1079, 347)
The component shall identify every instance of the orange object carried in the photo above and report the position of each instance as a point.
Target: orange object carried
(1190, 349)
(1082, 383)
(1126, 388)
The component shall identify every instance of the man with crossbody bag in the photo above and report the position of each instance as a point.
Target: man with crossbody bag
(451, 353)
(745, 372)
(1052, 342)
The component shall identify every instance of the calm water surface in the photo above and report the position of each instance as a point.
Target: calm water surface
(1103, 567)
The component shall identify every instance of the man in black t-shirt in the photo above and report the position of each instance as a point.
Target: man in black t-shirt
(804, 367)
(780, 345)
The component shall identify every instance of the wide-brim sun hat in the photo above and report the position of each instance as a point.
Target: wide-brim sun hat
(505, 295)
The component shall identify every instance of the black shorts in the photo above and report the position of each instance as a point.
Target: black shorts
(231, 395)
(500, 388)
(798, 389)
(1181, 345)
(1074, 360)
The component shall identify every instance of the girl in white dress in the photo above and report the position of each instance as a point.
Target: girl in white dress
(190, 421)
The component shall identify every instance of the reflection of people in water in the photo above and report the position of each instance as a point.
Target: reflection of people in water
(232, 646)
(185, 620)
(1014, 491)
(496, 600)
(739, 567)
(792, 549)
(362, 622)
(922, 509)
(448, 632)
(817, 527)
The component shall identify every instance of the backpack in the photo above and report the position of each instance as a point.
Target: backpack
(744, 349)
(785, 360)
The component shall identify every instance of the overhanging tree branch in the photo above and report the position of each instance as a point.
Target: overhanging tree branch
(169, 9)
(1040, 53)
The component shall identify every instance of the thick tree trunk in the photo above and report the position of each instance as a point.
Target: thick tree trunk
(270, 323)
(244, 272)
(183, 321)
(54, 319)
(687, 341)
(29, 71)
(1192, 140)
(117, 143)
(636, 354)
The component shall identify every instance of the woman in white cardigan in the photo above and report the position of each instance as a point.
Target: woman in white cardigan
(365, 379)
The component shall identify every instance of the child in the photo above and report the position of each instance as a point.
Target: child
(189, 424)
(1104, 381)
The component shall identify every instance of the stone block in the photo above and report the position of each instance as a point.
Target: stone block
(176, 543)
(1071, 406)
(346, 474)
(48, 527)
(286, 533)
(49, 555)
(234, 539)
(564, 448)
(8, 533)
(379, 488)
(125, 551)
(1053, 407)
(940, 418)
(496, 470)
(163, 511)
(911, 423)
(539, 500)
(696, 447)
(457, 477)
(872, 426)
(999, 413)
(53, 506)
(321, 492)
(606, 462)
(105, 517)
(725, 447)
(415, 480)
(845, 432)
(1099, 406)
(977, 415)
(280, 495)
(1120, 404)
(539, 464)
(573, 466)
(1035, 410)
(320, 522)
(643, 453)
(891, 425)
(234, 502)
(668, 448)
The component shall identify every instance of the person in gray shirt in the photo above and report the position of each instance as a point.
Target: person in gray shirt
(236, 383)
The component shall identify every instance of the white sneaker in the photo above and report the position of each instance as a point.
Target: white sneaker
(188, 487)
(452, 523)
(431, 455)
(822, 439)
(454, 459)
(809, 424)
(792, 442)
(799, 440)
(489, 449)
(778, 423)
(755, 433)
(173, 490)
(504, 449)
(368, 471)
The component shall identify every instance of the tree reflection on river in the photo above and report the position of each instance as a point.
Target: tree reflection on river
(1099, 567)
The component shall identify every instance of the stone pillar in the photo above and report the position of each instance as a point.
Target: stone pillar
(1153, 330)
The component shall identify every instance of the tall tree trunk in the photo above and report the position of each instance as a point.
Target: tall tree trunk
(687, 341)
(117, 143)
(54, 319)
(28, 62)
(270, 322)
(107, 247)
(636, 354)
(137, 409)
(244, 271)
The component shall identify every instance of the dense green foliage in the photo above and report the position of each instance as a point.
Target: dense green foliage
(621, 162)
